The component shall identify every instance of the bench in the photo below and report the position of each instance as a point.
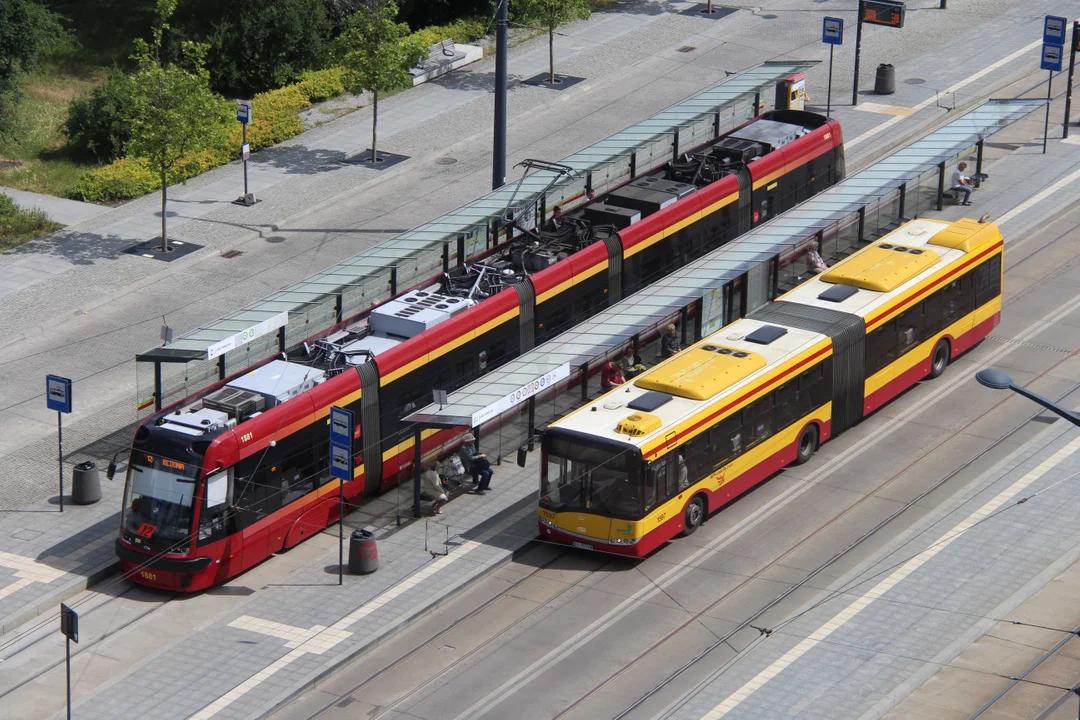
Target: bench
(441, 53)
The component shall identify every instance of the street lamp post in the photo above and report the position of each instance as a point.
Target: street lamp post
(999, 380)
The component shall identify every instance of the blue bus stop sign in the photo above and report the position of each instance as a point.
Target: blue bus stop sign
(1051, 57)
(341, 426)
(243, 111)
(340, 462)
(832, 31)
(1054, 30)
(58, 393)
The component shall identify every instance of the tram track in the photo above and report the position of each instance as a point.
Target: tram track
(603, 563)
(81, 648)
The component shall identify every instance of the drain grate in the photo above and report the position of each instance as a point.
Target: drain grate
(686, 48)
(445, 161)
(914, 81)
(232, 253)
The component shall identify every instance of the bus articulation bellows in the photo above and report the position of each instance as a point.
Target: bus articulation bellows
(652, 458)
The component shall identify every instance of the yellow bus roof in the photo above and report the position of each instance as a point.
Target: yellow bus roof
(702, 371)
(882, 267)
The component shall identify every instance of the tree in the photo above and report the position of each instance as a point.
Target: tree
(550, 14)
(173, 111)
(378, 52)
(27, 33)
(255, 45)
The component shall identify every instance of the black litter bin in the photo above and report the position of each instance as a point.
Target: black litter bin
(363, 555)
(85, 484)
(885, 80)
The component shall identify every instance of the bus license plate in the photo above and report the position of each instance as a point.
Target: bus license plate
(583, 546)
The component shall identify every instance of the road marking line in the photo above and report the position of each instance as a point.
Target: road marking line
(598, 626)
(930, 101)
(320, 639)
(1038, 197)
(890, 581)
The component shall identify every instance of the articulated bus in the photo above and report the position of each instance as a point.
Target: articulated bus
(654, 457)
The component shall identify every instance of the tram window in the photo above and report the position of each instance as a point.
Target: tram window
(217, 503)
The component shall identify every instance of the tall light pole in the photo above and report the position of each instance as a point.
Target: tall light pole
(999, 380)
(498, 165)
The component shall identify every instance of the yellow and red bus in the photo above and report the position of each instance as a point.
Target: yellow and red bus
(652, 458)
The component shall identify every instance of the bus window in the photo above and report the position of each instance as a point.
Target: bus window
(910, 323)
(789, 405)
(881, 347)
(761, 419)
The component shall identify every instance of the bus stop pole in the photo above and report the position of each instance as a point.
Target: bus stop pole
(858, 50)
(60, 454)
(417, 454)
(828, 96)
(1046, 124)
(341, 535)
(1068, 90)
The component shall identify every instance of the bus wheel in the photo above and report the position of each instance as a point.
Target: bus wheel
(808, 442)
(693, 516)
(939, 358)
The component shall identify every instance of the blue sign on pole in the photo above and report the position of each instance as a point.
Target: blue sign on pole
(832, 31)
(341, 426)
(1051, 57)
(243, 111)
(58, 393)
(1054, 30)
(341, 462)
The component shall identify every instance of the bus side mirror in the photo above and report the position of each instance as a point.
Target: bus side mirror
(523, 454)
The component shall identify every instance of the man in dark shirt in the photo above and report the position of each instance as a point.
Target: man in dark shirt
(669, 342)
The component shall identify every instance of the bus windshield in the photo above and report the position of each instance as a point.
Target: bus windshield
(598, 480)
(158, 501)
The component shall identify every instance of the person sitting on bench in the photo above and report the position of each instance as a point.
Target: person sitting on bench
(961, 183)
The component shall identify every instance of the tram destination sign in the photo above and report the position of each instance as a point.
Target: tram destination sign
(882, 12)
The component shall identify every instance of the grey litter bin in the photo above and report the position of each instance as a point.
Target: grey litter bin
(885, 80)
(363, 554)
(85, 484)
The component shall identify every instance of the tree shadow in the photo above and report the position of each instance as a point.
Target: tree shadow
(78, 248)
(473, 81)
(301, 160)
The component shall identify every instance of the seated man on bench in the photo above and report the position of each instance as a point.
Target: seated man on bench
(961, 183)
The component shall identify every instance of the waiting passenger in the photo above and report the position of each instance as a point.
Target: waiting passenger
(432, 487)
(611, 377)
(961, 183)
(475, 463)
(684, 475)
(669, 343)
(815, 264)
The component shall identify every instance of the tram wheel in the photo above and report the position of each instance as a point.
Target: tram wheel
(693, 516)
(939, 359)
(808, 444)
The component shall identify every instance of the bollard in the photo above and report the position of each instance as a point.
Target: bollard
(85, 484)
(885, 80)
(363, 553)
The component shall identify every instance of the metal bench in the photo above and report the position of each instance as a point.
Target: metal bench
(440, 54)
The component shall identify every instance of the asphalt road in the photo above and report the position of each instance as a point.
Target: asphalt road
(561, 633)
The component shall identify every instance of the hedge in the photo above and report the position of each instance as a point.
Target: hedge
(462, 31)
(275, 120)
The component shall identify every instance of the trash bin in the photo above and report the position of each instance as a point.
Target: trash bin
(85, 484)
(885, 80)
(363, 555)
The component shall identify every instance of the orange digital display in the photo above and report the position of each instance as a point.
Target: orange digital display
(883, 12)
(172, 464)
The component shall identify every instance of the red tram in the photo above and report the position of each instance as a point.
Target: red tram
(220, 481)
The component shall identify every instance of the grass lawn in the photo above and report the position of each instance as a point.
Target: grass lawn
(36, 157)
(18, 226)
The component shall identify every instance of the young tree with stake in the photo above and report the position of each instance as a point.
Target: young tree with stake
(550, 14)
(173, 111)
(377, 51)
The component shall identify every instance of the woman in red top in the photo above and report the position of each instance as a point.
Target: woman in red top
(611, 376)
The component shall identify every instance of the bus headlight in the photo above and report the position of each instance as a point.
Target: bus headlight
(624, 541)
(546, 522)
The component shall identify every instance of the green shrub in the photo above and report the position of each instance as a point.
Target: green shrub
(319, 85)
(97, 125)
(18, 226)
(120, 180)
(255, 46)
(461, 31)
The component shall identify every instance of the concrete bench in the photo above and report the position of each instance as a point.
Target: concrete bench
(442, 57)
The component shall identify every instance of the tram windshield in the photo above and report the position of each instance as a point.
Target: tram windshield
(593, 478)
(158, 501)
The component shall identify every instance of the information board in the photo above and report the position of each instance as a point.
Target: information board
(58, 393)
(882, 12)
(832, 31)
(1054, 30)
(1051, 58)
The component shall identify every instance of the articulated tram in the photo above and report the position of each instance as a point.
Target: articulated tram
(652, 458)
(220, 481)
